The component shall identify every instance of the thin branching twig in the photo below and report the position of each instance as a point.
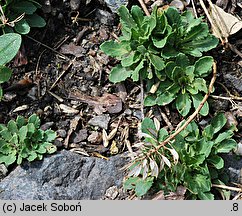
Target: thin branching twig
(142, 98)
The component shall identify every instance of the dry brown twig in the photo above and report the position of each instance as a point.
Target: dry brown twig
(62, 74)
(48, 47)
(232, 97)
(166, 120)
(212, 22)
(194, 9)
(227, 187)
(5, 21)
(144, 7)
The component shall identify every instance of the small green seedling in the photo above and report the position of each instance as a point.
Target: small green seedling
(23, 139)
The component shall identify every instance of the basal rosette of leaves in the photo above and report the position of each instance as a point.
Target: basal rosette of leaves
(13, 9)
(191, 160)
(23, 139)
(185, 85)
(135, 49)
(147, 43)
(189, 35)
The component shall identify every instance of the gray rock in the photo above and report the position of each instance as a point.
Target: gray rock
(47, 125)
(115, 4)
(233, 82)
(62, 133)
(63, 176)
(79, 136)
(100, 121)
(59, 142)
(75, 4)
(218, 105)
(105, 17)
(138, 114)
(233, 166)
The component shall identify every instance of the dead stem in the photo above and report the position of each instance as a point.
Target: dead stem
(142, 98)
(234, 49)
(144, 7)
(61, 75)
(46, 46)
(166, 120)
(227, 187)
(226, 98)
(194, 9)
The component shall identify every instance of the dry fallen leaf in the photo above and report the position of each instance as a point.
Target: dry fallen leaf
(96, 154)
(107, 103)
(225, 24)
(105, 139)
(73, 124)
(114, 148)
(80, 151)
(68, 110)
(21, 58)
(21, 108)
(72, 49)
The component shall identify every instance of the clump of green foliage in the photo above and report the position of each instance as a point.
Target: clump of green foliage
(15, 16)
(191, 159)
(184, 84)
(20, 16)
(23, 139)
(165, 50)
(162, 48)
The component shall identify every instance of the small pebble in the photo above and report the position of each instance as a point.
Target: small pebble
(137, 114)
(95, 137)
(58, 142)
(100, 121)
(231, 120)
(79, 136)
(46, 126)
(3, 171)
(128, 111)
(75, 4)
(61, 133)
(112, 192)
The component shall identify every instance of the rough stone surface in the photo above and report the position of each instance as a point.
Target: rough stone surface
(233, 82)
(105, 17)
(79, 136)
(233, 166)
(114, 5)
(65, 175)
(75, 4)
(100, 121)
